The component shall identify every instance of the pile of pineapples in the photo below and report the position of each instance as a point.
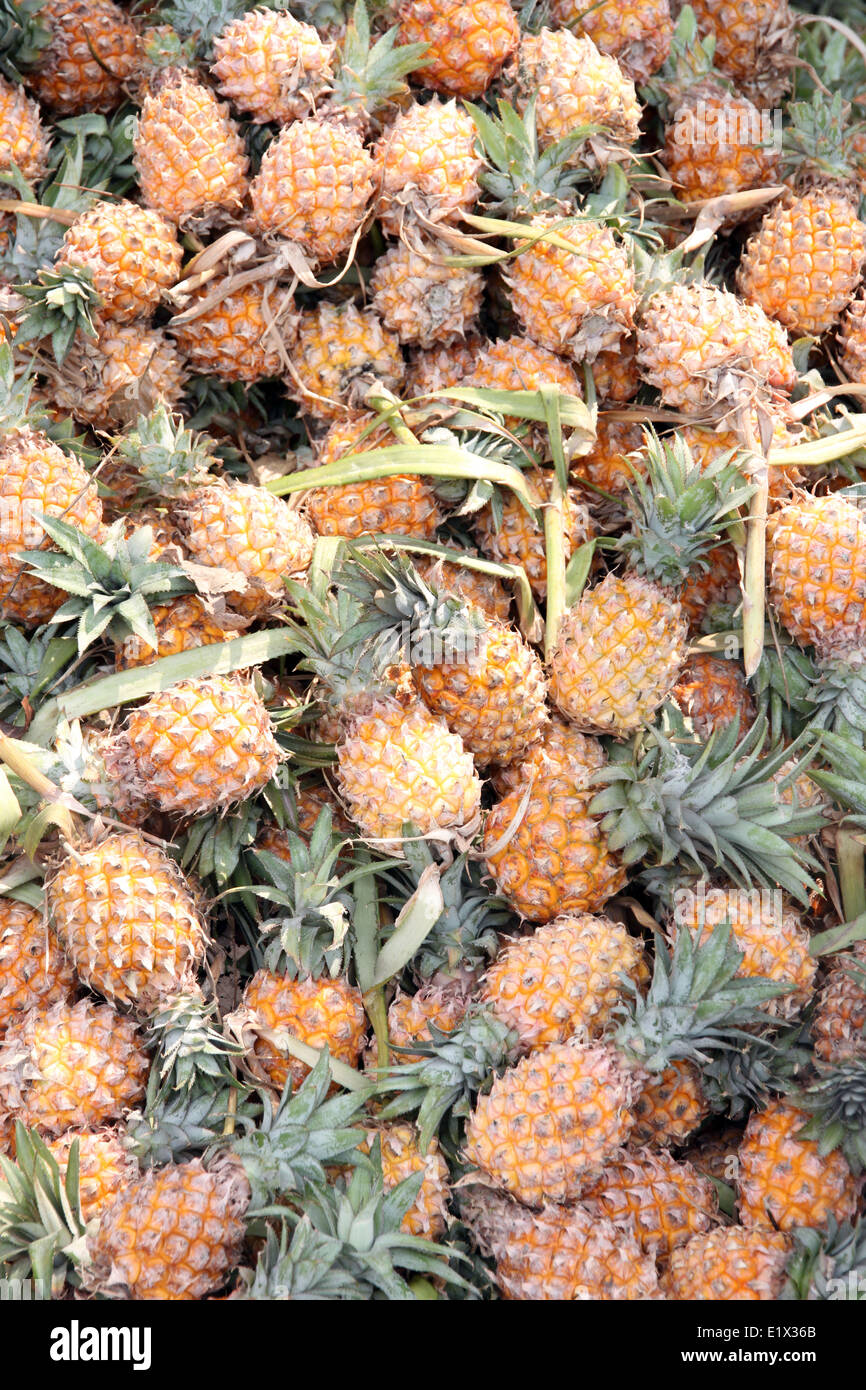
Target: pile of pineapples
(433, 650)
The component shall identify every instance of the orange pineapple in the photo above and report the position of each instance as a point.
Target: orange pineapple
(133, 254)
(124, 371)
(726, 1264)
(712, 692)
(467, 43)
(839, 1022)
(23, 140)
(670, 1107)
(422, 300)
(519, 539)
(105, 1167)
(404, 503)
(94, 50)
(564, 751)
(614, 457)
(402, 1158)
(427, 161)
(181, 625)
(715, 1153)
(480, 590)
(271, 66)
(321, 1013)
(410, 1017)
(637, 33)
(785, 1181)
(34, 973)
(236, 334)
(816, 550)
(340, 352)
(718, 583)
(665, 1202)
(754, 42)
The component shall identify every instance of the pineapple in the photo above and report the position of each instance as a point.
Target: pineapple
(106, 1167)
(319, 1012)
(174, 1233)
(755, 40)
(558, 1253)
(132, 253)
(638, 35)
(188, 153)
(437, 368)
(852, 339)
(340, 352)
(420, 298)
(728, 1263)
(712, 693)
(613, 459)
(34, 972)
(563, 751)
(566, 978)
(128, 921)
(839, 1022)
(816, 550)
(197, 745)
(670, 1107)
(401, 1158)
(718, 583)
(271, 66)
(472, 587)
(180, 625)
(466, 43)
(239, 334)
(617, 379)
(71, 1065)
(23, 140)
(92, 52)
(399, 503)
(519, 364)
(410, 1017)
(666, 1202)
(128, 368)
(715, 1153)
(427, 166)
(785, 1181)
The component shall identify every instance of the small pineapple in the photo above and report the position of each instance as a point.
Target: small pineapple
(670, 1107)
(106, 1167)
(93, 51)
(615, 456)
(127, 368)
(132, 253)
(755, 40)
(816, 549)
(319, 1012)
(839, 1022)
(180, 625)
(563, 751)
(410, 1017)
(508, 533)
(427, 163)
(271, 66)
(34, 973)
(23, 140)
(712, 693)
(728, 1263)
(784, 1180)
(420, 298)
(665, 1201)
(637, 33)
(400, 503)
(341, 351)
(401, 1159)
(240, 334)
(466, 43)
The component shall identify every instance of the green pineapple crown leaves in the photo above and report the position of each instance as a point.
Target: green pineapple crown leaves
(836, 1102)
(707, 808)
(786, 684)
(200, 24)
(846, 778)
(839, 696)
(36, 240)
(176, 1125)
(23, 36)
(190, 1048)
(60, 305)
(111, 585)
(306, 1268)
(30, 663)
(690, 61)
(42, 1232)
(822, 144)
(522, 179)
(170, 459)
(827, 1262)
(322, 622)
(370, 75)
(742, 1079)
(680, 510)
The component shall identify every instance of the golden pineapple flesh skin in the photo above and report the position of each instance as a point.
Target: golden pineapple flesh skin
(313, 188)
(563, 751)
(494, 697)
(340, 352)
(94, 50)
(519, 364)
(547, 1126)
(399, 764)
(565, 979)
(635, 32)
(427, 160)
(816, 551)
(427, 1217)
(755, 40)
(557, 860)
(784, 1181)
(34, 972)
(132, 253)
(435, 369)
(839, 1022)
(577, 302)
(519, 538)
(615, 374)
(106, 1167)
(727, 1264)
(71, 1065)
(401, 503)
(467, 43)
(715, 145)
(174, 1234)
(666, 1202)
(188, 152)
(245, 335)
(321, 1013)
(618, 654)
(247, 530)
(421, 300)
(557, 1253)
(37, 478)
(614, 457)
(271, 66)
(574, 85)
(410, 1017)
(852, 340)
(23, 139)
(128, 920)
(670, 1107)
(805, 261)
(181, 625)
(712, 693)
(123, 373)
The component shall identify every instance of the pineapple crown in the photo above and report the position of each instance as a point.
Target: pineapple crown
(839, 696)
(846, 778)
(689, 61)
(189, 1047)
(713, 807)
(313, 939)
(307, 1267)
(170, 459)
(465, 935)
(15, 391)
(827, 1263)
(836, 1102)
(695, 1005)
(60, 305)
(680, 510)
(291, 1146)
(27, 663)
(324, 626)
(741, 1079)
(111, 585)
(452, 1069)
(200, 24)
(785, 685)
(821, 144)
(37, 239)
(520, 178)
(107, 148)
(176, 1125)
(42, 1232)
(23, 36)
(370, 75)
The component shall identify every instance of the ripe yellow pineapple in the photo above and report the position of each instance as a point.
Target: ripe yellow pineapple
(712, 693)
(715, 144)
(427, 161)
(666, 1202)
(563, 751)
(188, 153)
(852, 339)
(181, 625)
(197, 745)
(93, 51)
(401, 1159)
(467, 43)
(422, 300)
(785, 1181)
(816, 549)
(839, 1022)
(754, 43)
(728, 1263)
(319, 1012)
(34, 973)
(244, 335)
(616, 376)
(614, 456)
(566, 978)
(106, 1167)
(435, 369)
(173, 1234)
(271, 66)
(403, 504)
(718, 583)
(559, 1253)
(125, 370)
(128, 921)
(339, 353)
(71, 1065)
(670, 1107)
(519, 538)
(715, 1153)
(23, 140)
(133, 254)
(637, 33)
(410, 1017)
(519, 364)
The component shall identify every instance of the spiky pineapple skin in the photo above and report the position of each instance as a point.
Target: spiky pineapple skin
(427, 159)
(397, 765)
(401, 1159)
(519, 364)
(557, 860)
(198, 745)
(805, 260)
(482, 590)
(71, 1065)
(565, 979)
(637, 34)
(188, 153)
(106, 1167)
(38, 478)
(545, 1129)
(557, 1253)
(753, 41)
(519, 538)
(94, 49)
(132, 253)
(816, 549)
(784, 1181)
(671, 1105)
(714, 145)
(174, 1234)
(313, 187)
(34, 972)
(437, 368)
(245, 336)
(719, 583)
(421, 300)
(181, 626)
(126, 370)
(618, 655)
(614, 457)
(713, 693)
(272, 66)
(23, 139)
(467, 43)
(839, 1021)
(728, 1263)
(615, 373)
(665, 1201)
(128, 920)
(340, 351)
(322, 1013)
(402, 504)
(563, 751)
(852, 339)
(410, 1017)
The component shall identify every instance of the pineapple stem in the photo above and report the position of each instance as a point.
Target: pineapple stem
(851, 859)
(21, 207)
(20, 764)
(756, 557)
(386, 405)
(231, 1114)
(554, 524)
